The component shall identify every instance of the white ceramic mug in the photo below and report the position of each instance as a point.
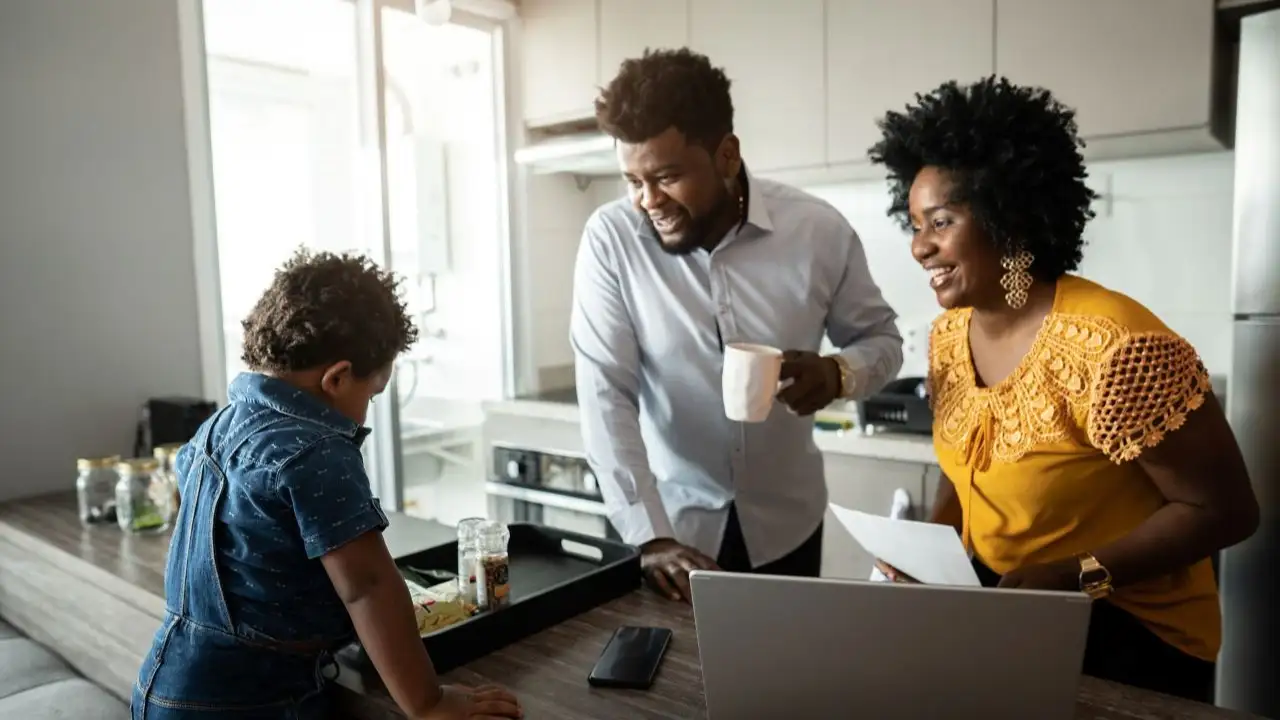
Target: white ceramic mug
(750, 380)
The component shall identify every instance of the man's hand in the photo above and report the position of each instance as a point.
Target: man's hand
(460, 703)
(667, 564)
(815, 381)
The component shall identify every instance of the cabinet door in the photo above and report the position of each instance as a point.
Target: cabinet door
(1126, 67)
(773, 55)
(865, 484)
(561, 59)
(628, 28)
(873, 68)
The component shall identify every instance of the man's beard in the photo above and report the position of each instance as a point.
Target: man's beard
(697, 232)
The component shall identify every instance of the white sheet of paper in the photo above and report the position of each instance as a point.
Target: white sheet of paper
(928, 552)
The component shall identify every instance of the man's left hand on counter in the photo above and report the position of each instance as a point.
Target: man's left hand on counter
(815, 381)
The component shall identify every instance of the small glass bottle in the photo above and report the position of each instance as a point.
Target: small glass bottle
(468, 536)
(136, 510)
(96, 489)
(164, 488)
(493, 577)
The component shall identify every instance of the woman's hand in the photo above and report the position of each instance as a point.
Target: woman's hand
(894, 573)
(1061, 575)
(488, 703)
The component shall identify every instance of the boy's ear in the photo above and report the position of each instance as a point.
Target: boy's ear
(336, 378)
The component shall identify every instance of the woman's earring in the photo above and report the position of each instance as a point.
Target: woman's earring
(1016, 280)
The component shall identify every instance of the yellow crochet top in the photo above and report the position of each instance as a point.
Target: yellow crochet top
(1041, 461)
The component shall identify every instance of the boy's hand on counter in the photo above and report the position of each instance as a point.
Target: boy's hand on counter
(667, 564)
(488, 702)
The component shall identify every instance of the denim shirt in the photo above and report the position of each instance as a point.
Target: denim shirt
(270, 484)
(296, 489)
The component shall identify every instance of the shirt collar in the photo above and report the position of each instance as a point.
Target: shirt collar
(259, 389)
(757, 212)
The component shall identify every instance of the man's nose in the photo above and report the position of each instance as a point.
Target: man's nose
(649, 197)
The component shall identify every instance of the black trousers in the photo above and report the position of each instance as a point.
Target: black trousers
(804, 561)
(1121, 649)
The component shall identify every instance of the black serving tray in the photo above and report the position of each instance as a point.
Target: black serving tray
(555, 575)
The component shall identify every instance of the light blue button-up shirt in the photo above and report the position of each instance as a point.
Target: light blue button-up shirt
(647, 332)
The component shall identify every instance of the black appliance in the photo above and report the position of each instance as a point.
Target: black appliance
(903, 406)
(162, 421)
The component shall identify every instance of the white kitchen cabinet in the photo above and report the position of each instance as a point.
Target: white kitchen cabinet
(865, 484)
(1131, 66)
(871, 70)
(560, 57)
(628, 28)
(774, 56)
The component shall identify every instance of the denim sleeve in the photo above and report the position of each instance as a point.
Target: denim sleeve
(328, 491)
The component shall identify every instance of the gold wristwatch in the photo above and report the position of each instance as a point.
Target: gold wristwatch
(846, 376)
(1095, 578)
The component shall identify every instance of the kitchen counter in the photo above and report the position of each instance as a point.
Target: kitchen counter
(884, 446)
(95, 596)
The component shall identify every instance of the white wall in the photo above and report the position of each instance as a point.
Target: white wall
(1162, 235)
(97, 298)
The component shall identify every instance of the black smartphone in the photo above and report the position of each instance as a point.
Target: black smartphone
(631, 658)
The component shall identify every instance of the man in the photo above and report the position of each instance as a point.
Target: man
(702, 254)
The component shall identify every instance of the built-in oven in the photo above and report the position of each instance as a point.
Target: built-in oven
(556, 489)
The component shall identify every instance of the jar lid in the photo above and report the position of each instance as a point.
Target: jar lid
(97, 463)
(470, 527)
(494, 529)
(137, 465)
(163, 452)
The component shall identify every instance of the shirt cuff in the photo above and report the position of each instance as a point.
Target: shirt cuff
(640, 522)
(860, 372)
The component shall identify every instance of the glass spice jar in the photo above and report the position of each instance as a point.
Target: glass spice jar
(493, 573)
(468, 545)
(96, 489)
(165, 485)
(136, 510)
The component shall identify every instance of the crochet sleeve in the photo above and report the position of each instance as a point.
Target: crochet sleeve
(1143, 391)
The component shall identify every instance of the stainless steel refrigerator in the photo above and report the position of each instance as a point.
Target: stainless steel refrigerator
(1249, 666)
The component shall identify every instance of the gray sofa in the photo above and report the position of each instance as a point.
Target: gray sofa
(35, 684)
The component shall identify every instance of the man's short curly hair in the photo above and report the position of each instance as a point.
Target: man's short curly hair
(663, 89)
(324, 308)
(1015, 157)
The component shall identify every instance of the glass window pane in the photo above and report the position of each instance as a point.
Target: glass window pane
(283, 106)
(446, 207)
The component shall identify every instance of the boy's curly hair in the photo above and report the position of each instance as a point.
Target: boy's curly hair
(324, 308)
(663, 89)
(1014, 156)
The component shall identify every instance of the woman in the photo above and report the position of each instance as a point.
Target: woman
(1082, 447)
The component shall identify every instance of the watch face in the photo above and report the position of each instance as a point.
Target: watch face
(1093, 577)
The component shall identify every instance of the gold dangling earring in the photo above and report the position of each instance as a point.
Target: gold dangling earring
(1016, 280)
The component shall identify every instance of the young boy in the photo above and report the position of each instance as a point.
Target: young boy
(277, 557)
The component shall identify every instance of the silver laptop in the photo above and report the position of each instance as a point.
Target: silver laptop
(781, 647)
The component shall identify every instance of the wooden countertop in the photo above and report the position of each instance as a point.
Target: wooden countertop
(96, 596)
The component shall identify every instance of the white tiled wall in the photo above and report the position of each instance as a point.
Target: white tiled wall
(1162, 235)
(557, 211)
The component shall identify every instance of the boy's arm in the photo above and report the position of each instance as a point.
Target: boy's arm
(340, 523)
(366, 579)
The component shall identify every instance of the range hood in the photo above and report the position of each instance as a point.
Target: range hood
(587, 153)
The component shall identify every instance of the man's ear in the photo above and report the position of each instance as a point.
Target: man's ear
(729, 158)
(336, 377)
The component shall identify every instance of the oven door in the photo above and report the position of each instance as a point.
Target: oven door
(511, 503)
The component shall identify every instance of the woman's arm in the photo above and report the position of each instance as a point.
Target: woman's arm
(946, 505)
(1210, 502)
